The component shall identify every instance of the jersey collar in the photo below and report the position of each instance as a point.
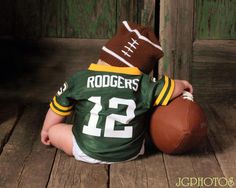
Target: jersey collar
(122, 70)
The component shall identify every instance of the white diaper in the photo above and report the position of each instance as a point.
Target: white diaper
(81, 156)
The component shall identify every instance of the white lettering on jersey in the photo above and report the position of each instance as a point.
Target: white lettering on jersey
(98, 81)
(113, 82)
(91, 128)
(128, 83)
(103, 81)
(109, 129)
(120, 82)
(62, 89)
(135, 84)
(90, 82)
(127, 132)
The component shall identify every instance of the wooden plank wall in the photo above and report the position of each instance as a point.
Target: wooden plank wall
(213, 69)
(36, 69)
(79, 18)
(176, 34)
(6, 17)
(214, 61)
(27, 18)
(198, 38)
(40, 38)
(72, 18)
(215, 19)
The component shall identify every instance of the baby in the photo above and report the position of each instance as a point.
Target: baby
(111, 100)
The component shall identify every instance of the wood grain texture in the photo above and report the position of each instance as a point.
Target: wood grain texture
(38, 68)
(146, 172)
(176, 31)
(6, 18)
(68, 57)
(204, 156)
(27, 18)
(213, 69)
(127, 10)
(9, 116)
(141, 12)
(72, 18)
(214, 51)
(38, 166)
(25, 162)
(167, 19)
(199, 163)
(215, 19)
(214, 82)
(178, 167)
(67, 172)
(147, 13)
(222, 135)
(79, 19)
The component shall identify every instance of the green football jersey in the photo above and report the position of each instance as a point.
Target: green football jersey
(110, 105)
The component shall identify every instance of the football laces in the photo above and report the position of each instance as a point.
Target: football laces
(187, 95)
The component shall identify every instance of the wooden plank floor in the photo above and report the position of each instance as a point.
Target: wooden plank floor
(25, 162)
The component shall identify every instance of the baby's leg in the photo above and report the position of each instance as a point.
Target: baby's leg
(61, 136)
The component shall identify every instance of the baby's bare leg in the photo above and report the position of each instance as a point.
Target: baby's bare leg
(60, 136)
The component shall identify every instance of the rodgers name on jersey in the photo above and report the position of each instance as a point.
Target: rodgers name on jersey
(114, 81)
(111, 106)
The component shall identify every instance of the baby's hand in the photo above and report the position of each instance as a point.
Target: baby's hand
(180, 87)
(187, 86)
(45, 138)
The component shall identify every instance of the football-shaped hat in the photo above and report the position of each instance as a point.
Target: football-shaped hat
(132, 46)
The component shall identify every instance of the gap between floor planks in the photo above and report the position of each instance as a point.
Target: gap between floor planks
(25, 162)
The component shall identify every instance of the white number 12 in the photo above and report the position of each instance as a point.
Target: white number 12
(93, 130)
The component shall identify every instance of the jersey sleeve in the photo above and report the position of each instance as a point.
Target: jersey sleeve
(164, 91)
(62, 103)
(157, 92)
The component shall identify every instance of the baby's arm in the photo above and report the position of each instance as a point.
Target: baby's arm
(51, 119)
(180, 87)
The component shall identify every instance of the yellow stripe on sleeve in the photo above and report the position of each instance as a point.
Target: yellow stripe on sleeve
(169, 93)
(159, 98)
(64, 108)
(58, 112)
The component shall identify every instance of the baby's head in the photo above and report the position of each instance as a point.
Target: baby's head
(132, 46)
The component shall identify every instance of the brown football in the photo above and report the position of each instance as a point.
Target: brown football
(178, 127)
